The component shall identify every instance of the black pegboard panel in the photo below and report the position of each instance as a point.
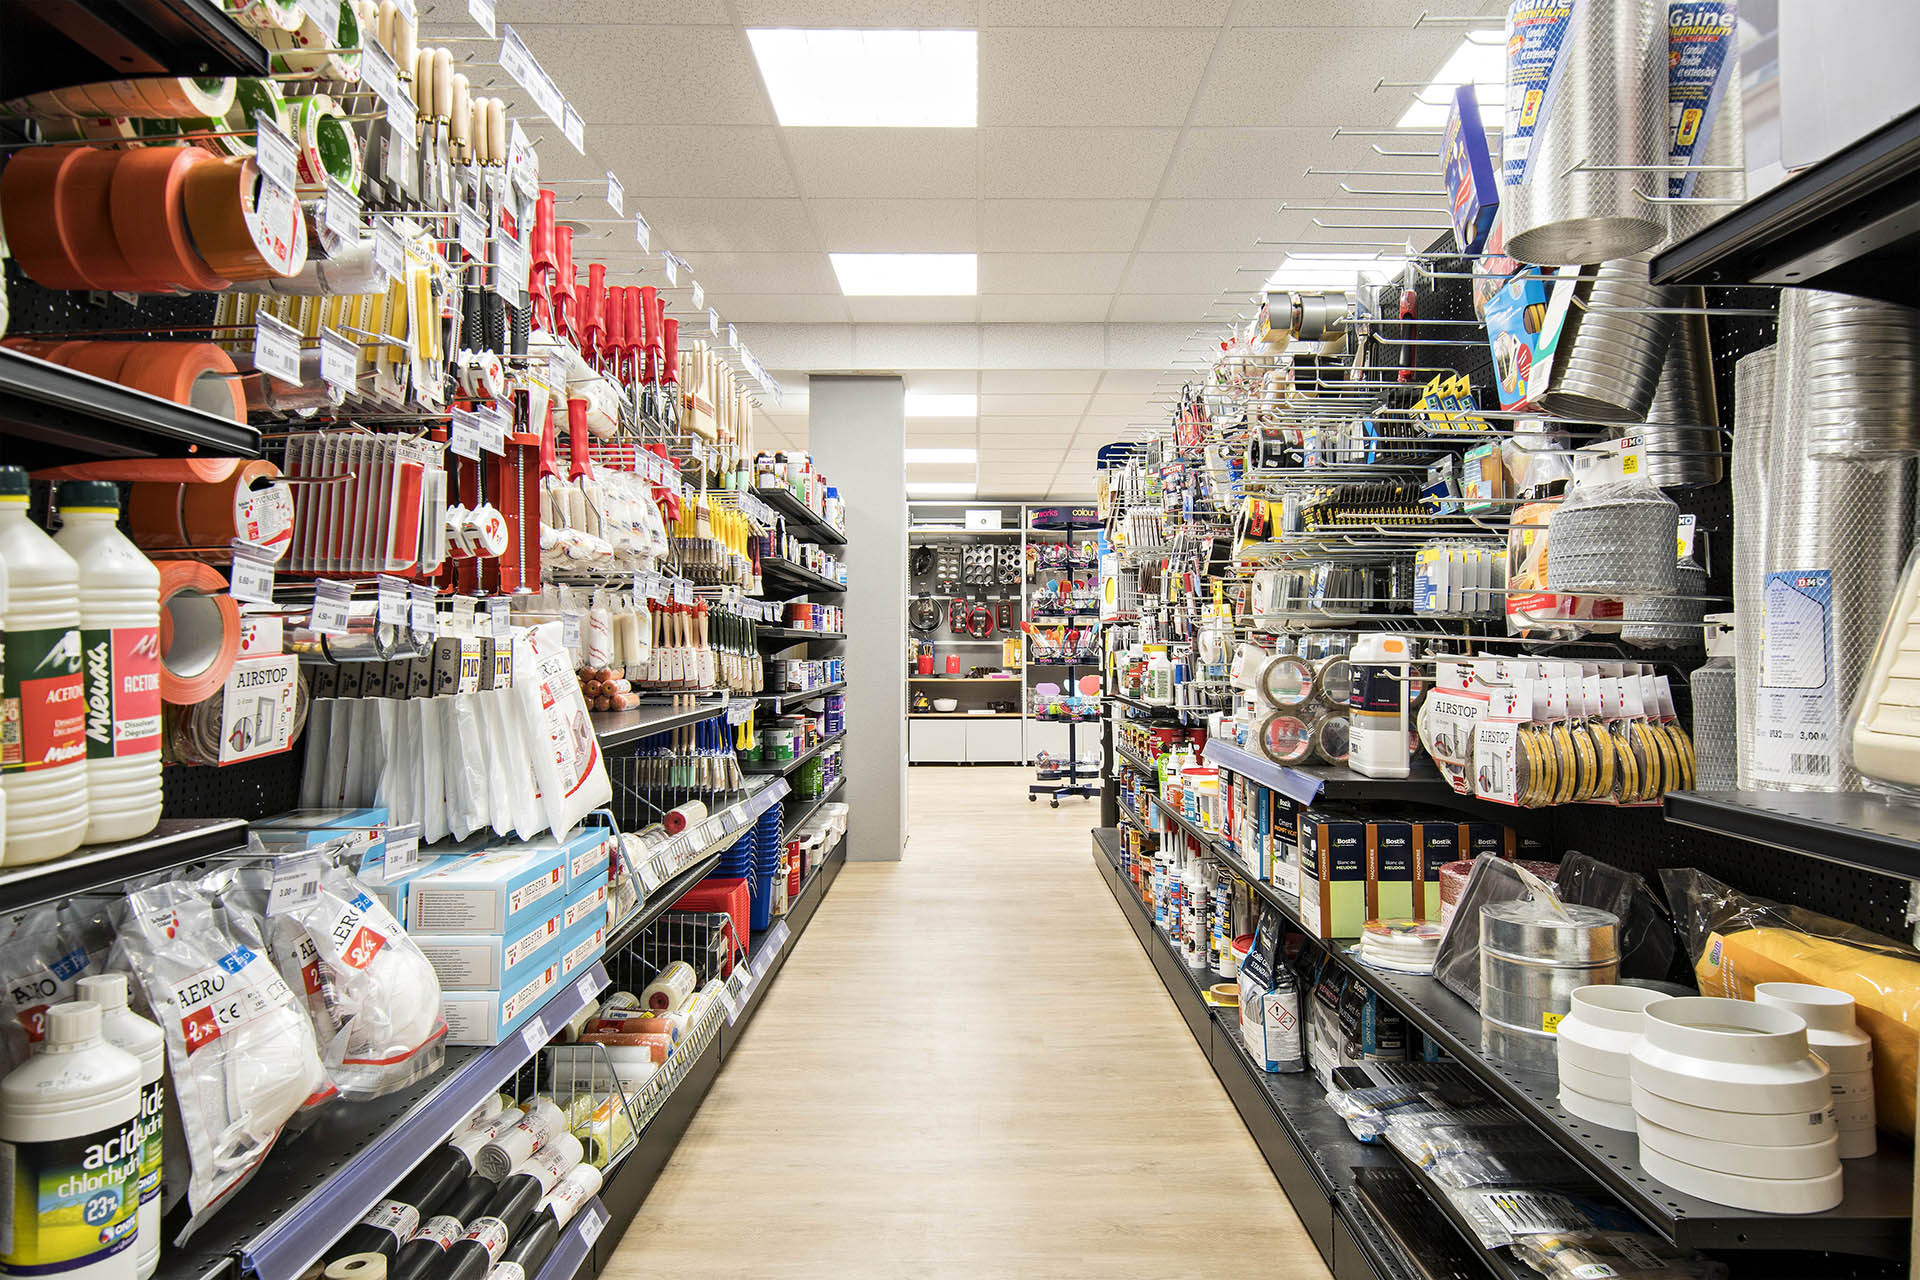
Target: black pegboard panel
(251, 791)
(37, 311)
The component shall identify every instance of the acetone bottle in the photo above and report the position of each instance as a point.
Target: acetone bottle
(69, 1124)
(119, 662)
(43, 710)
(124, 1029)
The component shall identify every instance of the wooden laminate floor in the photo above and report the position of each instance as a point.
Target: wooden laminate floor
(969, 1068)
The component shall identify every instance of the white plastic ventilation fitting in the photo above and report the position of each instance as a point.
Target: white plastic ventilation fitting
(1792, 1129)
(1836, 1039)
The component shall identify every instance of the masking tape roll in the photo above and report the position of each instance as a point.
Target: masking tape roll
(238, 230)
(671, 990)
(199, 631)
(358, 1266)
(251, 97)
(196, 374)
(251, 503)
(325, 146)
(33, 197)
(678, 820)
(147, 205)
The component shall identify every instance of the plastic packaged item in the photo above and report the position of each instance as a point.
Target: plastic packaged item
(69, 1117)
(1616, 1255)
(566, 756)
(1649, 941)
(125, 1029)
(41, 959)
(43, 770)
(1270, 1002)
(120, 662)
(1456, 962)
(1615, 533)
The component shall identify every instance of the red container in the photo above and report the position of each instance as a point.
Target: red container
(925, 663)
(719, 893)
(953, 664)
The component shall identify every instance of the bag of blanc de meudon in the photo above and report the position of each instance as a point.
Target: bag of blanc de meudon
(240, 1051)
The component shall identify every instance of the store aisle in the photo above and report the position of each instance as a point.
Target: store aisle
(969, 1068)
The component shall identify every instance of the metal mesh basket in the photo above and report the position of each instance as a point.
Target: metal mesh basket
(703, 939)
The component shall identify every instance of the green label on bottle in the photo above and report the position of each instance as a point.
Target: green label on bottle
(73, 1200)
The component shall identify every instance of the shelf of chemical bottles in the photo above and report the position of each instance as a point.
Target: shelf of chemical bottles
(797, 818)
(1306, 783)
(316, 1187)
(1165, 713)
(783, 767)
(174, 843)
(1139, 763)
(787, 700)
(113, 39)
(802, 520)
(775, 633)
(688, 858)
(793, 579)
(52, 415)
(1854, 828)
(618, 728)
(1209, 841)
(1850, 224)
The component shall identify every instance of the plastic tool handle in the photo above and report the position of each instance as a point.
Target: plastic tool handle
(636, 332)
(543, 232)
(562, 288)
(671, 372)
(650, 304)
(593, 310)
(616, 335)
(577, 464)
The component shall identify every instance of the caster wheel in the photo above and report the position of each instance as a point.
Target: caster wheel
(1031, 799)
(1056, 804)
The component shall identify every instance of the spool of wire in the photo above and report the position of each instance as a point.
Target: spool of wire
(1753, 383)
(1613, 345)
(1680, 443)
(1862, 358)
(1668, 622)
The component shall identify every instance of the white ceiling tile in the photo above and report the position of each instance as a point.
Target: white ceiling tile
(694, 225)
(1188, 273)
(1027, 424)
(725, 273)
(1050, 272)
(1161, 308)
(1090, 76)
(1039, 381)
(1036, 346)
(1184, 226)
(1104, 13)
(1043, 308)
(1061, 226)
(896, 226)
(1331, 77)
(1355, 13)
(916, 346)
(919, 437)
(1021, 457)
(679, 160)
(1252, 163)
(885, 14)
(692, 74)
(1087, 163)
(885, 163)
(786, 345)
(946, 382)
(1128, 405)
(1017, 478)
(1034, 402)
(526, 13)
(1142, 381)
(913, 310)
(779, 308)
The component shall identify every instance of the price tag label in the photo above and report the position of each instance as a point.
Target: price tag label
(378, 73)
(463, 616)
(464, 435)
(403, 851)
(340, 211)
(252, 578)
(423, 617)
(509, 269)
(329, 608)
(592, 1222)
(573, 127)
(570, 630)
(778, 936)
(733, 337)
(586, 988)
(274, 153)
(390, 601)
(534, 1034)
(493, 430)
(647, 871)
(339, 361)
(762, 960)
(525, 68)
(473, 232)
(481, 11)
(699, 296)
(713, 322)
(616, 194)
(295, 888)
(499, 616)
(672, 264)
(276, 348)
(523, 164)
(389, 250)
(326, 16)
(642, 232)
(682, 591)
(731, 1003)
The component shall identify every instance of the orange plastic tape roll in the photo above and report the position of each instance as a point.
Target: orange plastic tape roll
(233, 233)
(101, 359)
(148, 204)
(135, 470)
(199, 631)
(198, 374)
(33, 192)
(153, 513)
(86, 208)
(248, 504)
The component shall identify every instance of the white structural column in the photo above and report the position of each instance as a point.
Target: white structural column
(857, 434)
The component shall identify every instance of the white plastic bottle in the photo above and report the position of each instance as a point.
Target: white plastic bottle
(125, 1029)
(1158, 687)
(119, 662)
(1377, 711)
(69, 1119)
(43, 709)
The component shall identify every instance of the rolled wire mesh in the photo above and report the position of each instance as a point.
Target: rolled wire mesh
(1753, 382)
(1613, 345)
(1852, 518)
(1863, 377)
(1594, 157)
(1680, 442)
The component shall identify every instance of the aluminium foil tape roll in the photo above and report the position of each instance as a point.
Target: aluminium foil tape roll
(1680, 443)
(1668, 622)
(1590, 88)
(1862, 358)
(1716, 730)
(1753, 383)
(1613, 345)
(1851, 518)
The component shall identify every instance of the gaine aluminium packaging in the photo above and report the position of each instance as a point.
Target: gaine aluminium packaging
(492, 961)
(1474, 195)
(489, 893)
(488, 1017)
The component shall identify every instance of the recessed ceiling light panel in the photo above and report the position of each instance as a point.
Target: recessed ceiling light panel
(942, 489)
(942, 455)
(1333, 270)
(870, 79)
(1481, 61)
(907, 275)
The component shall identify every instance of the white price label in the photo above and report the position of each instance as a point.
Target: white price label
(423, 617)
(326, 16)
(523, 163)
(294, 888)
(465, 435)
(570, 630)
(390, 601)
(534, 1034)
(340, 211)
(525, 68)
(509, 269)
(500, 617)
(642, 232)
(473, 232)
(481, 11)
(732, 1004)
(682, 591)
(733, 337)
(761, 961)
(273, 152)
(252, 578)
(462, 617)
(586, 988)
(592, 1222)
(573, 128)
(389, 250)
(403, 852)
(408, 11)
(616, 194)
(699, 295)
(329, 608)
(777, 937)
(648, 872)
(713, 322)
(339, 361)
(672, 265)
(276, 348)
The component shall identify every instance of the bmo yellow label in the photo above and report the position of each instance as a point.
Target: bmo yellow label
(73, 1200)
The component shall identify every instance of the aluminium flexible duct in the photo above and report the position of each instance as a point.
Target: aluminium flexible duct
(1680, 443)
(1851, 518)
(1863, 377)
(1753, 380)
(1585, 140)
(1706, 197)
(1613, 345)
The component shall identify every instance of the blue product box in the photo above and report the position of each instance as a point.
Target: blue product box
(488, 1017)
(492, 961)
(365, 829)
(1475, 195)
(490, 892)
(589, 903)
(392, 894)
(589, 849)
(582, 945)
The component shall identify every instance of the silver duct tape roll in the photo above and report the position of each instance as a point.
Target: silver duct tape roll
(1680, 443)
(1602, 108)
(1753, 418)
(1851, 518)
(1863, 377)
(1668, 622)
(1716, 730)
(1709, 196)
(270, 395)
(1613, 346)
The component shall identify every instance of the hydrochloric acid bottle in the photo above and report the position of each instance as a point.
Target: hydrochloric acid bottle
(125, 1029)
(119, 662)
(43, 710)
(69, 1133)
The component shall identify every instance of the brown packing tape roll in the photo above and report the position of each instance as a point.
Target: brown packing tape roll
(199, 631)
(244, 505)
(197, 374)
(223, 203)
(150, 218)
(39, 238)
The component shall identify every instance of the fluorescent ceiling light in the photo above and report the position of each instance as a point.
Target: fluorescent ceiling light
(1333, 270)
(941, 488)
(870, 79)
(1481, 61)
(934, 404)
(942, 455)
(901, 275)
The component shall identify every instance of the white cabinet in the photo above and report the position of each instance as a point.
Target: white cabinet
(936, 741)
(993, 741)
(963, 739)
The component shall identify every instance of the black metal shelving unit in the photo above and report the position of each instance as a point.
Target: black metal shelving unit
(55, 43)
(773, 633)
(792, 822)
(806, 521)
(52, 414)
(1136, 762)
(176, 842)
(1306, 783)
(1855, 829)
(794, 579)
(618, 728)
(780, 703)
(781, 768)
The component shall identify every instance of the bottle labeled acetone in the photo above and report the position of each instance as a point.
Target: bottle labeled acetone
(69, 1134)
(125, 1029)
(119, 662)
(43, 709)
